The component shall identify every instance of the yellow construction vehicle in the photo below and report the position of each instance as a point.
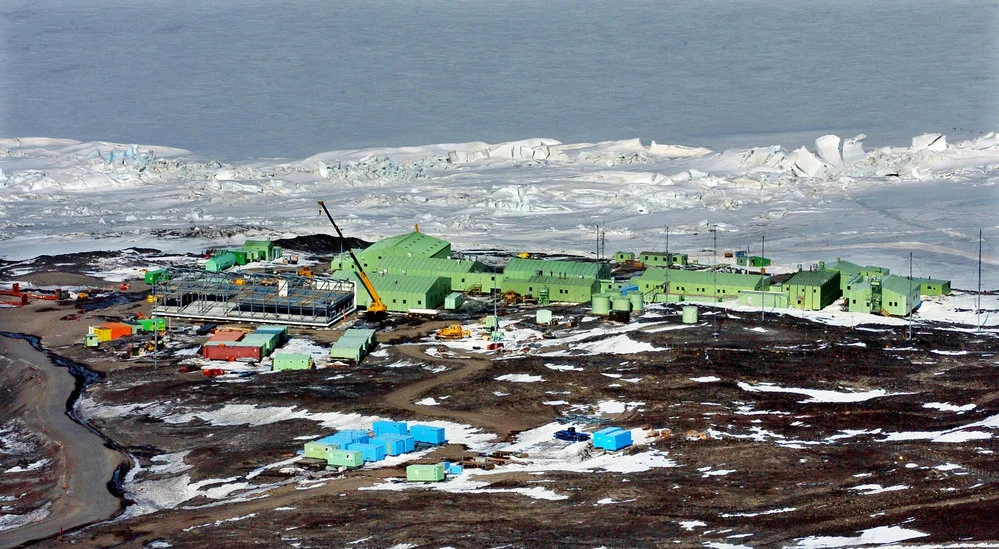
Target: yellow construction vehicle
(454, 331)
(376, 307)
(306, 271)
(524, 255)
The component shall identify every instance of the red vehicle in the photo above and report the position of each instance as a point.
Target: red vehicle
(213, 372)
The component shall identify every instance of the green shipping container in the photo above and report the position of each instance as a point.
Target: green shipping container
(345, 458)
(320, 450)
(292, 361)
(425, 473)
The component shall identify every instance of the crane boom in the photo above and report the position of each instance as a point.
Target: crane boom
(376, 302)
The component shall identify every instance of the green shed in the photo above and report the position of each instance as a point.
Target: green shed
(624, 257)
(812, 290)
(932, 286)
(425, 473)
(453, 301)
(859, 294)
(261, 250)
(157, 276)
(292, 361)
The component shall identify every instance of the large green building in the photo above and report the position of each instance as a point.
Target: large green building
(547, 289)
(400, 293)
(812, 290)
(413, 245)
(698, 285)
(524, 269)
(887, 295)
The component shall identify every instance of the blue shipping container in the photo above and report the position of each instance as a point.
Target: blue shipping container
(389, 428)
(348, 436)
(611, 438)
(407, 442)
(370, 452)
(428, 434)
(393, 446)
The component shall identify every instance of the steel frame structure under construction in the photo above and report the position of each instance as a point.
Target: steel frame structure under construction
(283, 298)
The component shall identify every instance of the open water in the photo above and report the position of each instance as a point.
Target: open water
(240, 79)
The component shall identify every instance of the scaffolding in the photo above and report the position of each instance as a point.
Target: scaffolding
(283, 298)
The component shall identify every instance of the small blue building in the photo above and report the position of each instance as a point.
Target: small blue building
(428, 434)
(371, 451)
(397, 444)
(389, 428)
(611, 438)
(348, 436)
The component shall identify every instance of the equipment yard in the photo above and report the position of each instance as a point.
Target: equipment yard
(747, 430)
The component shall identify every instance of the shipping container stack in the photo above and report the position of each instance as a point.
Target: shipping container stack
(235, 344)
(386, 438)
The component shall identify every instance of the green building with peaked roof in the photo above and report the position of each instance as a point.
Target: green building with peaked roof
(697, 285)
(547, 289)
(812, 290)
(414, 244)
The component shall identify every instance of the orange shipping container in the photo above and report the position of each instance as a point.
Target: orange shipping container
(118, 329)
(227, 336)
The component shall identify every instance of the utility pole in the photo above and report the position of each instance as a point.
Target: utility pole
(907, 304)
(978, 306)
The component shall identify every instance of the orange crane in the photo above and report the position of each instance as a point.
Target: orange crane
(376, 306)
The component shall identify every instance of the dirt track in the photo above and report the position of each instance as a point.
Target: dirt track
(83, 463)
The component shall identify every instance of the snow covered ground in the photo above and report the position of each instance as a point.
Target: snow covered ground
(832, 199)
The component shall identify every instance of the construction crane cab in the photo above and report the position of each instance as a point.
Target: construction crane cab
(377, 308)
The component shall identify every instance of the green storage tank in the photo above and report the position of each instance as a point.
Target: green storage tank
(621, 303)
(425, 473)
(690, 314)
(637, 301)
(600, 304)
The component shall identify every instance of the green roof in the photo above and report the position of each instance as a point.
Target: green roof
(899, 284)
(429, 265)
(563, 282)
(389, 283)
(418, 244)
(811, 278)
(526, 268)
(684, 276)
(851, 268)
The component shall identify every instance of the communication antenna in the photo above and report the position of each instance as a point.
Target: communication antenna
(763, 300)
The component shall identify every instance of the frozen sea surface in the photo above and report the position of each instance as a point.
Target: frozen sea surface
(245, 79)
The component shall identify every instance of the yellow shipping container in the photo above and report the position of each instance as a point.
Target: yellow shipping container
(103, 334)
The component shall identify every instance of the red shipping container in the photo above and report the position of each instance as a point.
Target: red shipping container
(230, 352)
(227, 335)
